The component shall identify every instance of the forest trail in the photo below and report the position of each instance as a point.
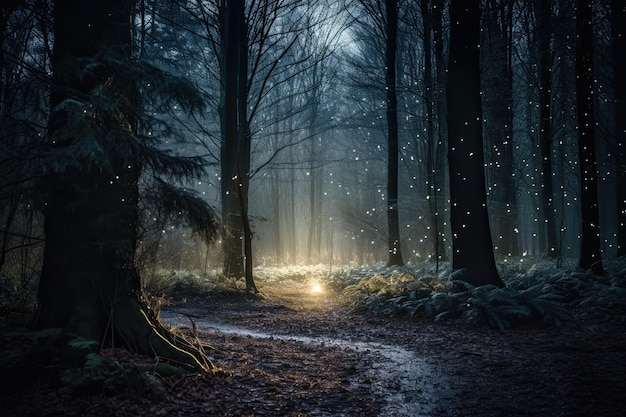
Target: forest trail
(402, 383)
(301, 351)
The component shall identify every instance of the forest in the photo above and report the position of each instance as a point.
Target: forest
(312, 207)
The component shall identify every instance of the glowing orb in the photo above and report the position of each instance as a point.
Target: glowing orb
(316, 288)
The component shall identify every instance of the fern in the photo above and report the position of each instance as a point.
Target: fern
(93, 361)
(82, 343)
(539, 295)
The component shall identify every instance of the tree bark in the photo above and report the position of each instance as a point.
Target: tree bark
(471, 236)
(590, 244)
(618, 17)
(89, 286)
(440, 153)
(230, 164)
(544, 13)
(432, 160)
(498, 105)
(393, 221)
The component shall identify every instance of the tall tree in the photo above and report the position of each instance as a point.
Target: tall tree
(590, 243)
(265, 38)
(544, 33)
(431, 21)
(89, 284)
(618, 26)
(472, 248)
(498, 107)
(232, 37)
(440, 158)
(393, 220)
(236, 136)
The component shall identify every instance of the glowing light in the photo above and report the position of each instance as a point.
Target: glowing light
(316, 288)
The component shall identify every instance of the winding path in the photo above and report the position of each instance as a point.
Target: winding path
(407, 383)
(392, 367)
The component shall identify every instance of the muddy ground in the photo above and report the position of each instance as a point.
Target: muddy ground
(298, 353)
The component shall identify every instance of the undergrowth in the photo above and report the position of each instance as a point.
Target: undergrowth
(176, 283)
(51, 358)
(538, 293)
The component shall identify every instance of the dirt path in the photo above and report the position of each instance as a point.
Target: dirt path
(373, 366)
(394, 374)
(298, 353)
(395, 380)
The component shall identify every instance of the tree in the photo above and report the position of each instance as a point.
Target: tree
(498, 125)
(393, 221)
(89, 284)
(472, 248)
(23, 111)
(235, 152)
(618, 17)
(544, 18)
(272, 58)
(431, 21)
(590, 244)
(380, 21)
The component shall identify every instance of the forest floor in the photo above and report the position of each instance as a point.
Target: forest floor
(294, 352)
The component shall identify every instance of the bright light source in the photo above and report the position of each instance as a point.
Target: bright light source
(316, 288)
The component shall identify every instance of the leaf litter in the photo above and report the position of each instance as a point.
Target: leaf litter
(294, 353)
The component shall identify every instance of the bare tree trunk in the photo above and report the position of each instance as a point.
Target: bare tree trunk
(471, 236)
(393, 221)
(590, 243)
(230, 153)
(433, 162)
(498, 105)
(245, 137)
(544, 13)
(618, 17)
(440, 155)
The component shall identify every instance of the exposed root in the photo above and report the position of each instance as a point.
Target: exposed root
(148, 337)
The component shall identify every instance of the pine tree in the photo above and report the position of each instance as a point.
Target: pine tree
(90, 286)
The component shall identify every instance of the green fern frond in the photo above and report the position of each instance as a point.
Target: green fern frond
(82, 343)
(93, 361)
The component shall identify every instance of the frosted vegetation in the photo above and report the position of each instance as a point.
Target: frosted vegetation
(537, 291)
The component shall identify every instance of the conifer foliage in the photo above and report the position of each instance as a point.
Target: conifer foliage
(98, 160)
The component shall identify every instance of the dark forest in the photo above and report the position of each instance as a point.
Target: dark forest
(312, 207)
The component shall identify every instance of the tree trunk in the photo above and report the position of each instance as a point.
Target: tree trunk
(544, 18)
(231, 202)
(245, 138)
(471, 236)
(498, 105)
(440, 153)
(590, 244)
(393, 221)
(618, 17)
(89, 286)
(432, 140)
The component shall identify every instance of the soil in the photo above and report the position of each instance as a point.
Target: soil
(298, 353)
